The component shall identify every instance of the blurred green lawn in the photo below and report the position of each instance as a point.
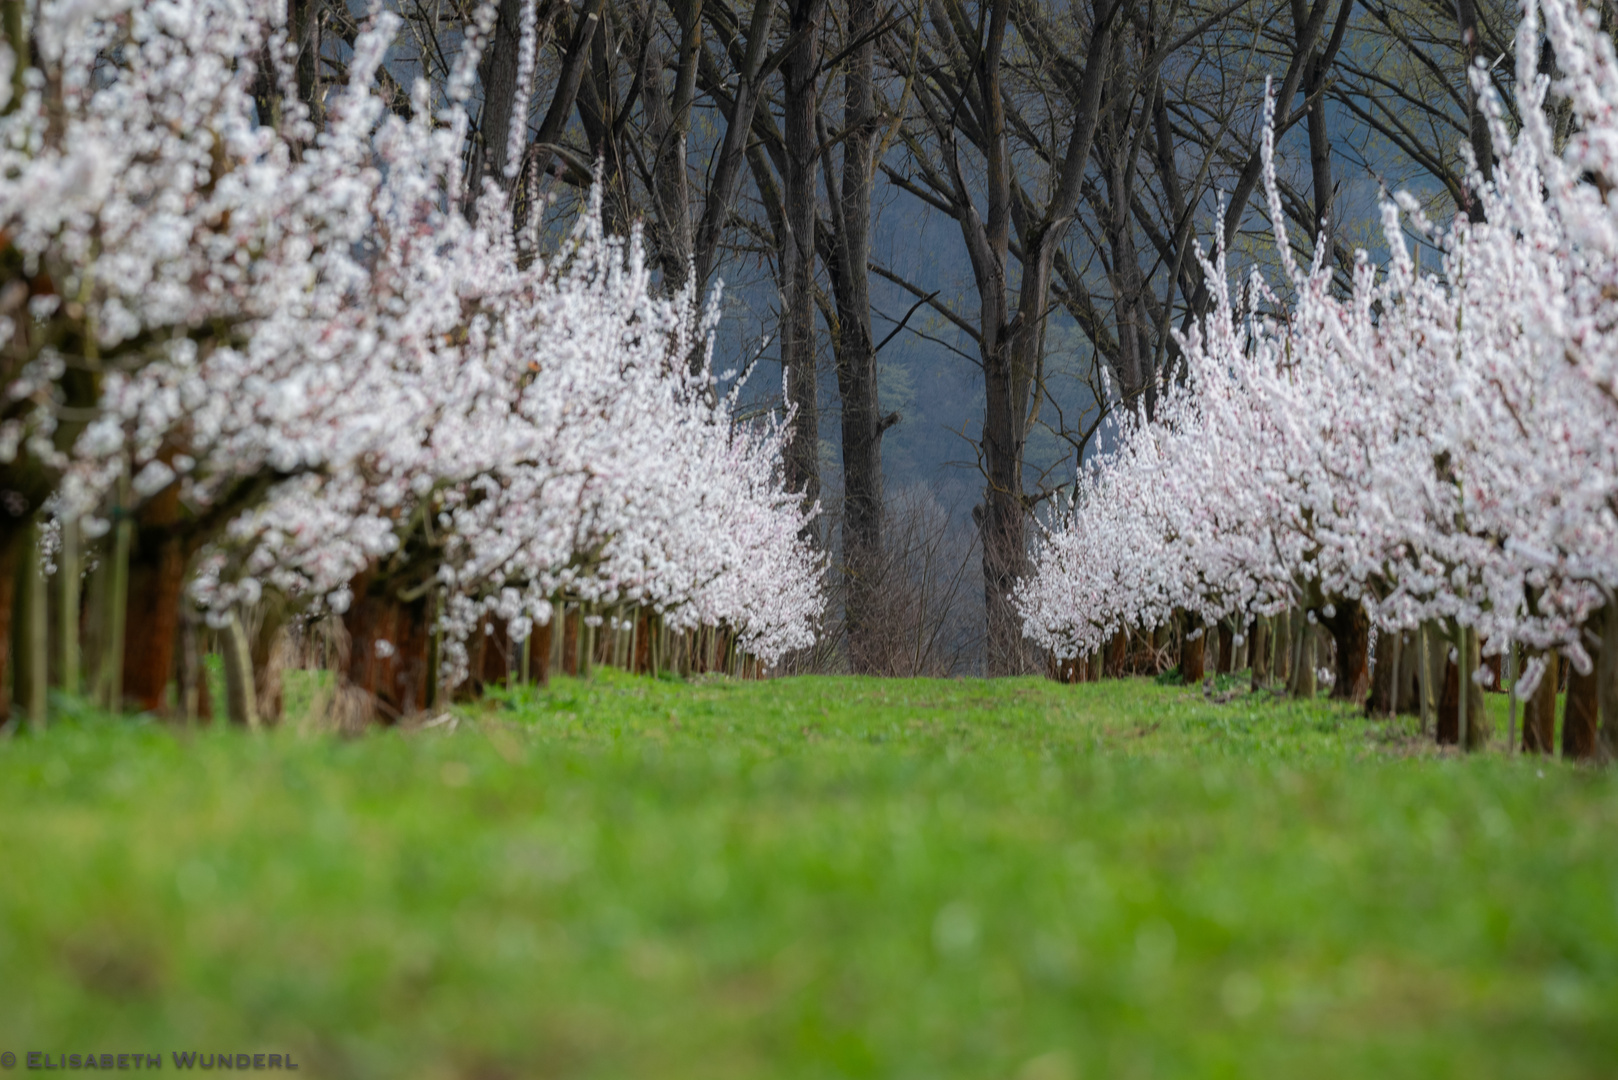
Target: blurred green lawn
(820, 877)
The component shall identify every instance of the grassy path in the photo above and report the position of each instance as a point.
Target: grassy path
(815, 878)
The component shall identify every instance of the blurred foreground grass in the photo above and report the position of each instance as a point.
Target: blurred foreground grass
(814, 878)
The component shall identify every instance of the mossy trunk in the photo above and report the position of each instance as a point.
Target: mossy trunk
(1437, 666)
(539, 652)
(241, 699)
(30, 633)
(1281, 646)
(196, 704)
(1460, 691)
(1305, 684)
(1261, 651)
(1539, 711)
(11, 543)
(69, 566)
(270, 646)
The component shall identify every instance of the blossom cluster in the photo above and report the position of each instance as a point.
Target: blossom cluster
(1433, 445)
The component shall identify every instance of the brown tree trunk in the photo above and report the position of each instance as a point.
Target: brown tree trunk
(539, 651)
(1260, 650)
(1408, 686)
(1497, 678)
(1227, 648)
(156, 579)
(1580, 714)
(1193, 652)
(388, 648)
(1281, 671)
(269, 656)
(1305, 684)
(1117, 653)
(1385, 675)
(571, 625)
(1449, 702)
(1539, 711)
(9, 545)
(643, 642)
(496, 659)
(1351, 631)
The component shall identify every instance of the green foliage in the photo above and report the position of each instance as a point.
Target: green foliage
(815, 878)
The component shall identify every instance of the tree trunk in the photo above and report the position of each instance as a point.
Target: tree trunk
(1351, 631)
(1261, 651)
(497, 71)
(1305, 684)
(268, 646)
(1539, 711)
(1117, 655)
(30, 635)
(570, 638)
(862, 422)
(1607, 682)
(1319, 137)
(1580, 714)
(1449, 701)
(1466, 21)
(1476, 729)
(196, 704)
(388, 647)
(1449, 729)
(68, 569)
(1408, 683)
(801, 110)
(241, 700)
(642, 663)
(1227, 648)
(1385, 675)
(539, 651)
(495, 668)
(1193, 652)
(668, 125)
(1281, 644)
(11, 542)
(152, 622)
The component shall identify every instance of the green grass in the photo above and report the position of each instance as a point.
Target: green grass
(815, 878)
